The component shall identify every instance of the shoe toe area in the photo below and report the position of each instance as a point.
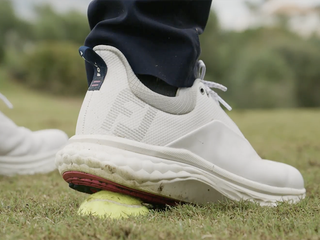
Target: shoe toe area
(277, 174)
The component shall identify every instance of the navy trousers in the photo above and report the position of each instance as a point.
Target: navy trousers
(158, 37)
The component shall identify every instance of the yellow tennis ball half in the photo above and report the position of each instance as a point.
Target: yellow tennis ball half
(105, 204)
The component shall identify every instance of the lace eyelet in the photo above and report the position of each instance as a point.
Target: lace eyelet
(202, 91)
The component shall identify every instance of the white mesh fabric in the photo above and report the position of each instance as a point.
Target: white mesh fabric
(97, 104)
(183, 103)
(115, 110)
(175, 126)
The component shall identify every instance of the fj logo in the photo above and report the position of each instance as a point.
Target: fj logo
(129, 117)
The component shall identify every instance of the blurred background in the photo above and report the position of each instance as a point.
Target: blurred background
(267, 52)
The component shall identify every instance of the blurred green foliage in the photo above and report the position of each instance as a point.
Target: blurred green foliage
(43, 53)
(263, 67)
(55, 67)
(52, 26)
(10, 26)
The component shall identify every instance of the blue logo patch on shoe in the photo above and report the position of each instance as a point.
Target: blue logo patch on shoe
(98, 64)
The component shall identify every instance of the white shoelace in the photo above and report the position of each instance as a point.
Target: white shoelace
(6, 101)
(209, 85)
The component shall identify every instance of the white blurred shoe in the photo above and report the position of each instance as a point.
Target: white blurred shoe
(163, 149)
(25, 152)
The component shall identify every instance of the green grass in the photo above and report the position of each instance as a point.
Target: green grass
(43, 207)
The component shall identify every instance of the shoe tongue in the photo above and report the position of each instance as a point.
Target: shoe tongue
(99, 67)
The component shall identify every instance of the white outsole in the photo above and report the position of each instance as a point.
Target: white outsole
(196, 181)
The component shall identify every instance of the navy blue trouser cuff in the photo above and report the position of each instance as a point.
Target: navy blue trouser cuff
(158, 37)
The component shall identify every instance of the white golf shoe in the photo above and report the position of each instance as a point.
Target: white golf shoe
(163, 149)
(25, 152)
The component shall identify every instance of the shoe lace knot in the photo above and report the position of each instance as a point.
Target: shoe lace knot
(209, 86)
(6, 101)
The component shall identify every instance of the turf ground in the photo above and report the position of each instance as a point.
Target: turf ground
(43, 207)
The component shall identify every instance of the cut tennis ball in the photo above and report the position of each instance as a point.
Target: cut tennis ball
(105, 204)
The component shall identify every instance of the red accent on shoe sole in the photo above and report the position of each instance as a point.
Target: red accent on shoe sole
(89, 180)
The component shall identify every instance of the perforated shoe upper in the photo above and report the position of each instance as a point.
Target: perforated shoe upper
(193, 122)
